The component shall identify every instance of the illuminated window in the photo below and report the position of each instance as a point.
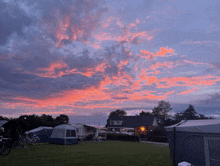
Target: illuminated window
(143, 128)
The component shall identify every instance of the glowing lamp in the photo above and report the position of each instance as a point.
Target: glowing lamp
(142, 128)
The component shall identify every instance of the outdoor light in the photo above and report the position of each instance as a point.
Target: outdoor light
(142, 128)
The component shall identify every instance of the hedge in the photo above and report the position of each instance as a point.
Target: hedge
(122, 137)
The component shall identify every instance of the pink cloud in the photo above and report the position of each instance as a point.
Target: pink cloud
(137, 21)
(162, 52)
(159, 65)
(194, 63)
(190, 91)
(187, 81)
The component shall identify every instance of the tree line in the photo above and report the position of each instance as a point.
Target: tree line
(29, 122)
(163, 116)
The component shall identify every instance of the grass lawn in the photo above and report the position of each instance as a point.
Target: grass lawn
(111, 153)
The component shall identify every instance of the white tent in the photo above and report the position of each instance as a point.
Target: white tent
(64, 134)
(195, 141)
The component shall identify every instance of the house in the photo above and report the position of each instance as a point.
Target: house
(136, 124)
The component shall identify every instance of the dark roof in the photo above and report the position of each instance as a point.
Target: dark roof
(133, 121)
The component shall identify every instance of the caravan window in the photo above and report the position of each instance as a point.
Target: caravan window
(70, 133)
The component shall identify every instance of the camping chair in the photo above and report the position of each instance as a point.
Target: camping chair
(90, 137)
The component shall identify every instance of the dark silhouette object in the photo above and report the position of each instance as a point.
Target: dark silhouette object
(161, 111)
(62, 119)
(90, 137)
(13, 129)
(144, 113)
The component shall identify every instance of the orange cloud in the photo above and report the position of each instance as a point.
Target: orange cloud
(194, 63)
(159, 65)
(151, 80)
(162, 52)
(50, 71)
(189, 91)
(187, 81)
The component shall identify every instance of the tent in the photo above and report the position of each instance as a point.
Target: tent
(195, 141)
(42, 132)
(2, 122)
(64, 134)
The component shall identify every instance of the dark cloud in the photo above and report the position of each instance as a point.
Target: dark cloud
(119, 98)
(16, 83)
(79, 18)
(12, 19)
(210, 99)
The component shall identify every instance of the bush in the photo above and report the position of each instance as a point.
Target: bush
(159, 139)
(123, 137)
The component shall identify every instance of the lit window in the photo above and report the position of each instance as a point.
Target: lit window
(142, 128)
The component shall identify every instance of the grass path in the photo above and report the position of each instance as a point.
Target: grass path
(112, 153)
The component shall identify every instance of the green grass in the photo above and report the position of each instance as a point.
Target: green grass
(113, 153)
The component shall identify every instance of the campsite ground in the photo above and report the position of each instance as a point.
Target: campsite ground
(90, 153)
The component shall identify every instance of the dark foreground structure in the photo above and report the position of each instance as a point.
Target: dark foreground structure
(195, 141)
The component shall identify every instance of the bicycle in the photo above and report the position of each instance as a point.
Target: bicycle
(5, 146)
(34, 140)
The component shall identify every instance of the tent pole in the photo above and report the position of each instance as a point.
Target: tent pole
(174, 147)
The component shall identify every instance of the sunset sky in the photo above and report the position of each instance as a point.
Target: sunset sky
(85, 58)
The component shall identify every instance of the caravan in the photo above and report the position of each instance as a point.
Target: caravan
(95, 132)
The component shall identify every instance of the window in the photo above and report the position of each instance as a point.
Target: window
(116, 122)
(70, 133)
(119, 122)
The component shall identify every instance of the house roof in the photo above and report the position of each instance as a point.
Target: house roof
(132, 121)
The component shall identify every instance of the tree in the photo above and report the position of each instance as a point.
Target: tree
(47, 120)
(142, 113)
(62, 119)
(162, 112)
(116, 113)
(190, 113)
(3, 118)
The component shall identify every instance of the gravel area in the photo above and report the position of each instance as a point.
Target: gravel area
(156, 143)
